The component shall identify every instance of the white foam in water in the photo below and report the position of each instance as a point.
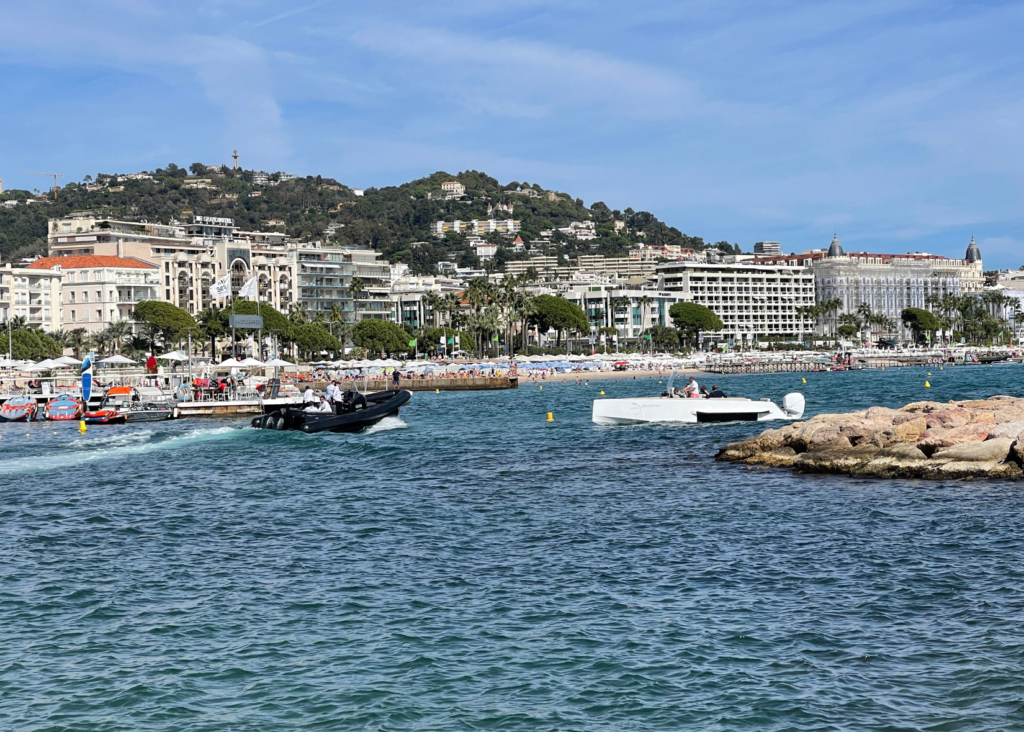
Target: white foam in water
(114, 447)
(388, 423)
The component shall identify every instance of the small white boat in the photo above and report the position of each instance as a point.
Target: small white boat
(676, 409)
(638, 410)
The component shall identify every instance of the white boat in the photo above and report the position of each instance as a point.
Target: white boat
(639, 410)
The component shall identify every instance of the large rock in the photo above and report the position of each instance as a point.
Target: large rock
(897, 461)
(969, 439)
(840, 457)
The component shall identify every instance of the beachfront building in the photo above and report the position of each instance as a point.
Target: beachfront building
(630, 309)
(98, 290)
(887, 283)
(753, 301)
(325, 280)
(32, 294)
(189, 257)
(550, 269)
(408, 292)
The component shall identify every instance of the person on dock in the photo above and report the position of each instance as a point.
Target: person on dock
(396, 379)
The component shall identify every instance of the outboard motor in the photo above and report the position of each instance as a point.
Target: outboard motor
(793, 405)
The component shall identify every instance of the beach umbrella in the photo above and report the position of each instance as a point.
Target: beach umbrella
(250, 363)
(69, 361)
(230, 363)
(280, 363)
(173, 356)
(116, 360)
(43, 366)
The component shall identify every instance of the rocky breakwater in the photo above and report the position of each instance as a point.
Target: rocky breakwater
(968, 439)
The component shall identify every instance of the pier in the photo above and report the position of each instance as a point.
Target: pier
(472, 383)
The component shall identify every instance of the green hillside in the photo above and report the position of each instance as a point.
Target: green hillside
(393, 220)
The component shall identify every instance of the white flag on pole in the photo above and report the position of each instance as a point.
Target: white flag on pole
(250, 288)
(222, 287)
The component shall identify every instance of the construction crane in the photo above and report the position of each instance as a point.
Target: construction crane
(55, 177)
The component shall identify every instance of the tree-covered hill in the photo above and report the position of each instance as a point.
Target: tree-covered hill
(394, 220)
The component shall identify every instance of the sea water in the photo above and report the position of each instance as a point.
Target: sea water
(471, 566)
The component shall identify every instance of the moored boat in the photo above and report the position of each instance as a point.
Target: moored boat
(354, 413)
(127, 404)
(18, 409)
(63, 408)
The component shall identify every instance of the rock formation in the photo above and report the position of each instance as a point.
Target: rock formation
(969, 439)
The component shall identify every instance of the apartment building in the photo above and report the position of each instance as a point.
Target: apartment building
(325, 277)
(754, 301)
(549, 269)
(97, 290)
(505, 227)
(32, 294)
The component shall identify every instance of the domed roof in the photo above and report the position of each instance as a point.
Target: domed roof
(973, 253)
(835, 248)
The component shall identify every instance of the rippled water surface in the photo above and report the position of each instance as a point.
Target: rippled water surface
(470, 566)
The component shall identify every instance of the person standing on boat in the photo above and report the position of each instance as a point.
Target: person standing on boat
(692, 389)
(309, 396)
(332, 392)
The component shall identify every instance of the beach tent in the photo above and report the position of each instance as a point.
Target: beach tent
(44, 366)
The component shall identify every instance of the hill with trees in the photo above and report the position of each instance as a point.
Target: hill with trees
(394, 220)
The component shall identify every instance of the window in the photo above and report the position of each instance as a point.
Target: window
(99, 316)
(72, 316)
(99, 296)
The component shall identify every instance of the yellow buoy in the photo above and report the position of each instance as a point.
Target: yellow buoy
(602, 393)
(541, 386)
(927, 385)
(804, 380)
(940, 368)
(929, 373)
(437, 391)
(81, 426)
(586, 383)
(551, 416)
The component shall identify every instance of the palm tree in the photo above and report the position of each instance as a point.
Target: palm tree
(616, 303)
(298, 312)
(434, 303)
(355, 289)
(76, 340)
(645, 303)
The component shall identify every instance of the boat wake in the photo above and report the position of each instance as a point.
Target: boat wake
(93, 449)
(388, 423)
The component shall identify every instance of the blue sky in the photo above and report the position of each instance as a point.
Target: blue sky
(898, 124)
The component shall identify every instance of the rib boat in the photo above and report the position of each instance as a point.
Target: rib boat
(354, 413)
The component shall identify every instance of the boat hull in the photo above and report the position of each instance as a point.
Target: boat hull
(104, 416)
(644, 410)
(364, 411)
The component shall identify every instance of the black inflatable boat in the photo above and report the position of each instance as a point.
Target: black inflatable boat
(354, 413)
